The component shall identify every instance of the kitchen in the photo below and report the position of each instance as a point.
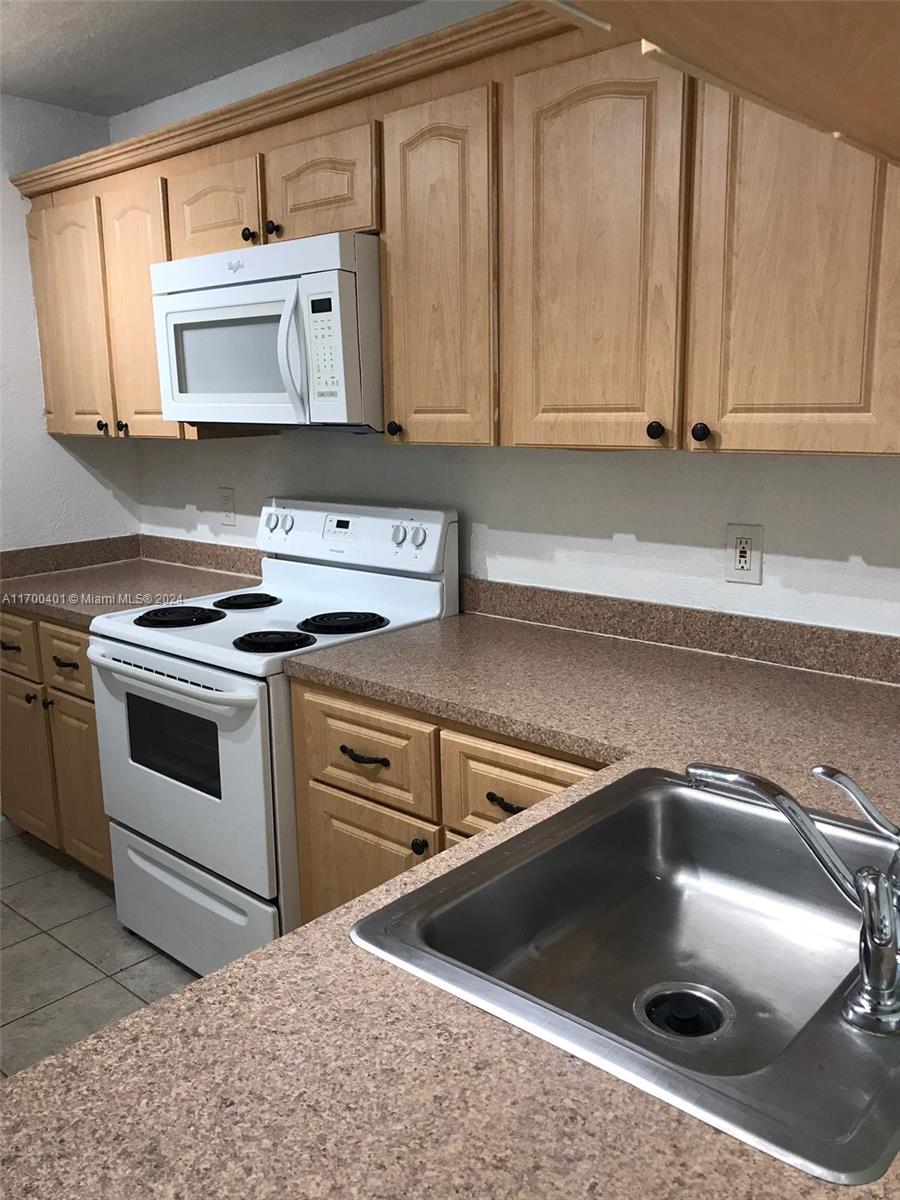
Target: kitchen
(450, 242)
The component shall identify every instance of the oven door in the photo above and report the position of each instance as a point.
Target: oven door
(233, 354)
(185, 759)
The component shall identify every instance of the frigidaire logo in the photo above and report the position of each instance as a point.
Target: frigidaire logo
(234, 267)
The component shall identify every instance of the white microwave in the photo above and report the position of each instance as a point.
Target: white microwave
(285, 334)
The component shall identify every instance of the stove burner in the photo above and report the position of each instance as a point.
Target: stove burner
(344, 622)
(273, 641)
(246, 600)
(177, 617)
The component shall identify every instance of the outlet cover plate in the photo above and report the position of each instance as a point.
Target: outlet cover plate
(744, 553)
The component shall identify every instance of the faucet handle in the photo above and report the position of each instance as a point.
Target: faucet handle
(860, 799)
(874, 1004)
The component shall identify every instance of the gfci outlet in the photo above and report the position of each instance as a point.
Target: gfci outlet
(226, 506)
(744, 553)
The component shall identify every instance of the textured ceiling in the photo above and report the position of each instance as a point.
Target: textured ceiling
(107, 56)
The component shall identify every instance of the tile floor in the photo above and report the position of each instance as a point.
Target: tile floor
(67, 967)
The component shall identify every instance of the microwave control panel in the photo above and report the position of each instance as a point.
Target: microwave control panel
(332, 346)
(325, 350)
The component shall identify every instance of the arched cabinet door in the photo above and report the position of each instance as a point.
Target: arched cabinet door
(590, 356)
(439, 270)
(794, 317)
(211, 207)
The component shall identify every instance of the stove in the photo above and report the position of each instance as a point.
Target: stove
(194, 720)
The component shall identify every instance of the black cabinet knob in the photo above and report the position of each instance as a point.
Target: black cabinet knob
(122, 426)
(47, 703)
(393, 428)
(418, 845)
(655, 430)
(30, 697)
(249, 235)
(273, 228)
(700, 432)
(103, 426)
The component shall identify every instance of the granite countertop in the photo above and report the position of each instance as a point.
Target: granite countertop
(312, 1069)
(76, 596)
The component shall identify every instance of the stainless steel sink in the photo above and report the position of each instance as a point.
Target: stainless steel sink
(686, 942)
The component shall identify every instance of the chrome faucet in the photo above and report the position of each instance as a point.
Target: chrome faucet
(874, 1002)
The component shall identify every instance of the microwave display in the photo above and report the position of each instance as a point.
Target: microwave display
(322, 304)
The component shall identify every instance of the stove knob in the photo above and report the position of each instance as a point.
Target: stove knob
(272, 522)
(287, 522)
(398, 535)
(418, 536)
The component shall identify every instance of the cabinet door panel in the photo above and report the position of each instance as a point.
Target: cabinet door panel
(324, 184)
(591, 355)
(66, 248)
(440, 269)
(349, 846)
(135, 234)
(209, 207)
(26, 762)
(64, 661)
(794, 328)
(84, 826)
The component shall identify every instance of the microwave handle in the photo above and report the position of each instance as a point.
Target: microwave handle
(285, 325)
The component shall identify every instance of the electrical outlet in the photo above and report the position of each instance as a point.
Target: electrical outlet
(744, 553)
(226, 506)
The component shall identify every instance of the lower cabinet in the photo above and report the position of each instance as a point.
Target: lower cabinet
(27, 791)
(84, 826)
(50, 764)
(361, 833)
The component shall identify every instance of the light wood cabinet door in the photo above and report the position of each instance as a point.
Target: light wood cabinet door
(26, 763)
(19, 651)
(324, 184)
(84, 826)
(349, 846)
(66, 247)
(64, 661)
(483, 782)
(209, 207)
(439, 270)
(135, 234)
(370, 751)
(794, 324)
(591, 306)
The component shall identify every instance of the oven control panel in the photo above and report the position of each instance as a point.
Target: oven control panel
(411, 541)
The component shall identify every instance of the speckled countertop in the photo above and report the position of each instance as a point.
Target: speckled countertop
(76, 596)
(311, 1069)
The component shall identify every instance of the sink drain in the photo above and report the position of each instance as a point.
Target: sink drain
(683, 1010)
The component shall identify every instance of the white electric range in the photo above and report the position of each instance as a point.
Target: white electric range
(193, 717)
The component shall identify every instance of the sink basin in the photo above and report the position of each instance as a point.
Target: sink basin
(685, 941)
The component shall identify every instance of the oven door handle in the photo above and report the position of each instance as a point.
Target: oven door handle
(171, 687)
(285, 325)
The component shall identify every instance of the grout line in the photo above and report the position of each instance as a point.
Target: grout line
(107, 974)
(22, 940)
(74, 992)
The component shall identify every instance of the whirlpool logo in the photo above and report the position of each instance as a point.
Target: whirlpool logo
(237, 265)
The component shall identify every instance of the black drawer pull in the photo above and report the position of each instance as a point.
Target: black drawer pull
(63, 665)
(365, 760)
(10, 647)
(504, 805)
(30, 697)
(418, 845)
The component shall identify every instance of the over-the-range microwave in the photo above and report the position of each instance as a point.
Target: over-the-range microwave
(284, 334)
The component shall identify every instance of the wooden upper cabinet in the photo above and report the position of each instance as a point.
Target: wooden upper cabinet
(135, 234)
(439, 269)
(210, 206)
(592, 322)
(324, 184)
(66, 247)
(794, 324)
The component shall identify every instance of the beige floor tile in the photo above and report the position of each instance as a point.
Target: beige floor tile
(52, 899)
(100, 939)
(155, 977)
(36, 972)
(63, 1023)
(7, 829)
(24, 858)
(14, 928)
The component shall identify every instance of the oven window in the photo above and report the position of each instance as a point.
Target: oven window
(218, 357)
(176, 744)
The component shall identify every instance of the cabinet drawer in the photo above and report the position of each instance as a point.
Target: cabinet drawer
(338, 733)
(19, 647)
(349, 846)
(64, 660)
(450, 839)
(473, 770)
